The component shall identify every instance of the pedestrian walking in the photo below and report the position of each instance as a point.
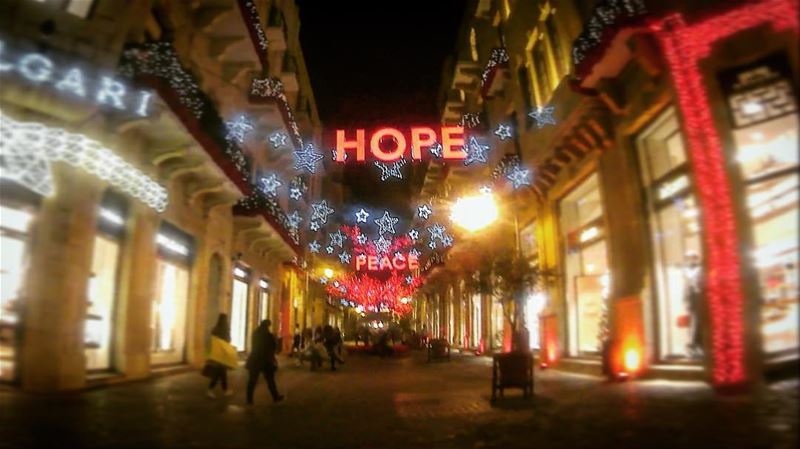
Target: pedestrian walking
(331, 342)
(262, 361)
(296, 340)
(213, 368)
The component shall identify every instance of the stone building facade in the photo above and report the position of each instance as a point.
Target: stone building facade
(663, 154)
(136, 203)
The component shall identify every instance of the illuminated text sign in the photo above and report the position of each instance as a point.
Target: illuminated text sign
(391, 144)
(386, 262)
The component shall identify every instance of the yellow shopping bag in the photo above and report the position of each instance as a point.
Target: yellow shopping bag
(223, 353)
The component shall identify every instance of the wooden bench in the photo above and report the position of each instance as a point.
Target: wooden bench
(438, 349)
(512, 370)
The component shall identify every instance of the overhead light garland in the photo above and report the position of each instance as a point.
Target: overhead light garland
(28, 149)
(258, 37)
(498, 58)
(271, 90)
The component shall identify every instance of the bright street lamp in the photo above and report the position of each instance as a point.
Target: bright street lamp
(474, 212)
(328, 273)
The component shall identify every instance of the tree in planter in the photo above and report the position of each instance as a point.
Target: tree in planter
(515, 276)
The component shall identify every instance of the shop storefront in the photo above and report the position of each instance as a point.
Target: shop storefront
(168, 328)
(585, 266)
(763, 111)
(103, 283)
(677, 250)
(239, 307)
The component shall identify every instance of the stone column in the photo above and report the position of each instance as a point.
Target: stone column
(136, 290)
(62, 241)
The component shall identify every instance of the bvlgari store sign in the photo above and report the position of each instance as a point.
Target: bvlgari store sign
(72, 80)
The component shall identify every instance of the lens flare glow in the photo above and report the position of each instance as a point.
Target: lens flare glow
(474, 212)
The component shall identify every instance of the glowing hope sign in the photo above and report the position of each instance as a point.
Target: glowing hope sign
(452, 140)
(398, 262)
(38, 68)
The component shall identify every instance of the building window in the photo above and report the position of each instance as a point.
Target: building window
(239, 303)
(586, 265)
(763, 107)
(80, 8)
(13, 255)
(263, 300)
(102, 294)
(168, 317)
(675, 237)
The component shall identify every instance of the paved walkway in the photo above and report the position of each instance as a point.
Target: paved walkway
(402, 403)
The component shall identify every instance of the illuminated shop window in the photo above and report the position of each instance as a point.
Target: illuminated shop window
(13, 253)
(241, 291)
(475, 334)
(586, 265)
(473, 44)
(764, 112)
(263, 300)
(674, 219)
(168, 316)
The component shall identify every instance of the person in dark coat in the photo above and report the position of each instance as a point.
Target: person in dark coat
(219, 373)
(262, 361)
(331, 340)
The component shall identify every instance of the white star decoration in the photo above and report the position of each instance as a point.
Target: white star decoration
(447, 241)
(386, 223)
(294, 220)
(436, 231)
(238, 128)
(313, 225)
(361, 216)
(436, 149)
(270, 184)
(475, 151)
(503, 132)
(321, 211)
(382, 245)
(361, 239)
(307, 159)
(391, 170)
(519, 177)
(329, 250)
(413, 234)
(344, 258)
(295, 193)
(424, 211)
(278, 139)
(432, 244)
(333, 152)
(543, 116)
(313, 247)
(337, 239)
(409, 280)
(414, 252)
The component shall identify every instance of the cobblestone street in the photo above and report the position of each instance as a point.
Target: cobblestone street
(402, 402)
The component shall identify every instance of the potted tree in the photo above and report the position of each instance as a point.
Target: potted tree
(514, 277)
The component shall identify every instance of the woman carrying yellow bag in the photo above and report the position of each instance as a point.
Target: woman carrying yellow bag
(221, 357)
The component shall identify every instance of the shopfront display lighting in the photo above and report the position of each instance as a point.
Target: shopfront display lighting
(111, 217)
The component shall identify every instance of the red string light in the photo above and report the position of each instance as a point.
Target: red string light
(684, 46)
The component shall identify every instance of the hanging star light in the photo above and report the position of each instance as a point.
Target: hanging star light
(519, 177)
(270, 184)
(485, 190)
(278, 139)
(344, 258)
(329, 250)
(386, 223)
(424, 211)
(503, 132)
(391, 170)
(321, 211)
(297, 187)
(447, 241)
(361, 216)
(361, 239)
(413, 234)
(436, 231)
(307, 158)
(295, 193)
(414, 252)
(314, 247)
(323, 280)
(313, 225)
(334, 156)
(432, 244)
(294, 219)
(337, 238)
(409, 279)
(543, 116)
(238, 128)
(436, 150)
(475, 151)
(382, 245)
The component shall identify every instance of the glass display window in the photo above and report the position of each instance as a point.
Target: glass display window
(239, 303)
(263, 300)
(13, 255)
(102, 297)
(169, 308)
(585, 265)
(475, 331)
(674, 219)
(765, 119)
